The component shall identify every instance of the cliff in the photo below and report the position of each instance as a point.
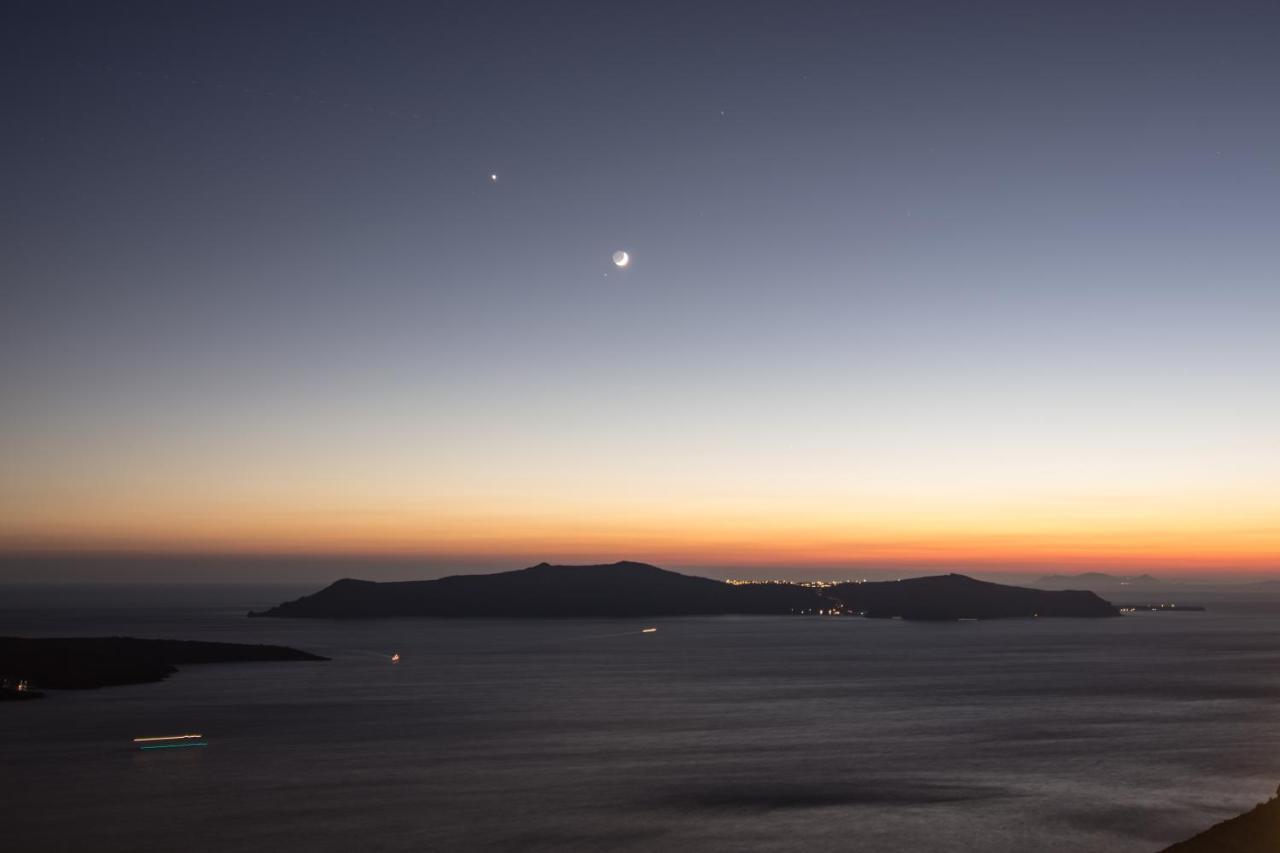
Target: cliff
(1256, 831)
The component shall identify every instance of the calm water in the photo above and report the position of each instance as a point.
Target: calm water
(732, 734)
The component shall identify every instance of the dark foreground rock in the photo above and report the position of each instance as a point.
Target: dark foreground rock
(86, 662)
(1256, 831)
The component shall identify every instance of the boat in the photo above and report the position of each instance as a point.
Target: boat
(170, 741)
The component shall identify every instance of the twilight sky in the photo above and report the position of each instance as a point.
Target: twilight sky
(913, 284)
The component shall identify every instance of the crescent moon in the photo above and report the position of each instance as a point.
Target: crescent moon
(621, 259)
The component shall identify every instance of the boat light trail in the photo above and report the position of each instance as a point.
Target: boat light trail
(166, 737)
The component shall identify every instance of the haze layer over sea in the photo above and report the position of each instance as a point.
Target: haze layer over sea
(719, 734)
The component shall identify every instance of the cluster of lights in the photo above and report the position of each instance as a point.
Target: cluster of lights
(809, 584)
(833, 611)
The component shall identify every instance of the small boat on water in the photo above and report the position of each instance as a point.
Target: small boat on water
(648, 630)
(395, 658)
(170, 741)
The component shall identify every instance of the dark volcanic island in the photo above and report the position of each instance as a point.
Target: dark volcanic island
(86, 662)
(629, 589)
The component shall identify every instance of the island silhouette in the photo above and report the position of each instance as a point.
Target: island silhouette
(632, 589)
(88, 662)
(1088, 580)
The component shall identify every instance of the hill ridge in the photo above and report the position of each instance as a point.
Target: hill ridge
(633, 589)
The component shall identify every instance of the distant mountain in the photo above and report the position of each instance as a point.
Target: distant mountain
(85, 662)
(629, 589)
(1088, 579)
(1256, 831)
(960, 597)
(618, 589)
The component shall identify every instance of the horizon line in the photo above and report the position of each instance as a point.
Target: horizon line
(438, 565)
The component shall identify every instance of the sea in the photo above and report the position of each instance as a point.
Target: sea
(709, 734)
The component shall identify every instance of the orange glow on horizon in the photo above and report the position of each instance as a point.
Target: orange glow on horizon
(994, 544)
(1021, 525)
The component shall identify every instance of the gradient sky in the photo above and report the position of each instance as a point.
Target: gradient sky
(914, 284)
